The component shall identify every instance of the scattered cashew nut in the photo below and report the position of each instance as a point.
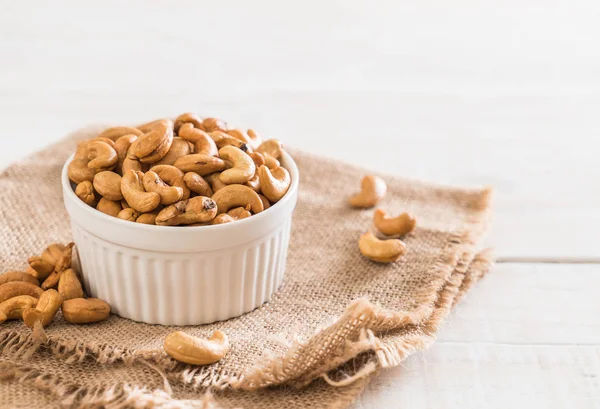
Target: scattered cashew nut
(196, 351)
(18, 276)
(381, 251)
(85, 310)
(45, 309)
(13, 308)
(400, 225)
(16, 288)
(373, 189)
(69, 285)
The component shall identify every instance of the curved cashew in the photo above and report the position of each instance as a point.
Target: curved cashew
(373, 189)
(85, 191)
(105, 140)
(173, 177)
(132, 188)
(257, 158)
(239, 213)
(39, 268)
(198, 209)
(53, 253)
(45, 309)
(12, 309)
(85, 311)
(222, 139)
(188, 117)
(235, 196)
(255, 139)
(401, 225)
(78, 171)
(241, 135)
(265, 201)
(197, 184)
(214, 124)
(222, 219)
(179, 148)
(274, 184)
(108, 185)
(381, 251)
(243, 167)
(101, 155)
(147, 218)
(69, 285)
(200, 163)
(155, 143)
(108, 207)
(16, 288)
(196, 351)
(168, 194)
(18, 276)
(215, 181)
(122, 146)
(254, 183)
(271, 147)
(131, 164)
(118, 131)
(128, 214)
(63, 262)
(202, 141)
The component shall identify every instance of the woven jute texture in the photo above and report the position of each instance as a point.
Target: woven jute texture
(337, 319)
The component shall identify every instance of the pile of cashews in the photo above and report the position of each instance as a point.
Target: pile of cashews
(387, 249)
(192, 172)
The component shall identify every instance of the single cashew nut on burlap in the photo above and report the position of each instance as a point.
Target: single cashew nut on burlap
(222, 139)
(16, 288)
(373, 189)
(108, 185)
(154, 144)
(222, 219)
(101, 155)
(196, 351)
(85, 192)
(401, 225)
(275, 183)
(45, 309)
(239, 213)
(168, 194)
(172, 176)
(39, 268)
(202, 141)
(381, 251)
(197, 184)
(132, 187)
(198, 209)
(271, 147)
(129, 214)
(69, 285)
(179, 148)
(190, 118)
(147, 218)
(109, 207)
(235, 196)
(18, 276)
(243, 166)
(214, 124)
(200, 163)
(122, 146)
(85, 311)
(117, 132)
(13, 308)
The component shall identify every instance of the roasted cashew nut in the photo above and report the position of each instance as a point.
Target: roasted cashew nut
(235, 196)
(373, 189)
(155, 143)
(401, 225)
(85, 191)
(45, 309)
(132, 187)
(200, 163)
(147, 218)
(257, 158)
(241, 135)
(254, 183)
(101, 155)
(215, 181)
(53, 253)
(69, 285)
(168, 194)
(214, 124)
(63, 262)
(109, 207)
(271, 147)
(79, 172)
(128, 214)
(190, 118)
(108, 185)
(196, 351)
(222, 219)
(197, 184)
(202, 141)
(117, 132)
(16, 288)
(274, 184)
(179, 148)
(85, 311)
(122, 146)
(381, 251)
(222, 139)
(239, 213)
(198, 209)
(172, 177)
(265, 201)
(243, 166)
(39, 268)
(105, 140)
(13, 308)
(18, 276)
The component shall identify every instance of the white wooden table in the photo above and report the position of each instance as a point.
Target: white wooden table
(502, 93)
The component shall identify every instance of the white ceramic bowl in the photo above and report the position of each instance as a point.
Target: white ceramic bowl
(182, 275)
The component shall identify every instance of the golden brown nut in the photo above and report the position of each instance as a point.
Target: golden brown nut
(108, 185)
(101, 155)
(147, 218)
(179, 148)
(214, 124)
(39, 268)
(128, 214)
(203, 143)
(85, 191)
(235, 196)
(132, 187)
(381, 251)
(190, 118)
(13, 308)
(118, 131)
(271, 147)
(16, 288)
(109, 207)
(197, 184)
(373, 189)
(274, 184)
(168, 194)
(18, 276)
(155, 143)
(172, 177)
(85, 311)
(222, 219)
(198, 209)
(200, 163)
(69, 285)
(122, 146)
(242, 169)
(196, 351)
(45, 309)
(239, 213)
(401, 225)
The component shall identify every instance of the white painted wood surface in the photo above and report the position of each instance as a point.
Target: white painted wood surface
(479, 93)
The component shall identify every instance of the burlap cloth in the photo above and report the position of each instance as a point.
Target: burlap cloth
(337, 319)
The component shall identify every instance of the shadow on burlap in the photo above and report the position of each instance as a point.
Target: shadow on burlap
(336, 320)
